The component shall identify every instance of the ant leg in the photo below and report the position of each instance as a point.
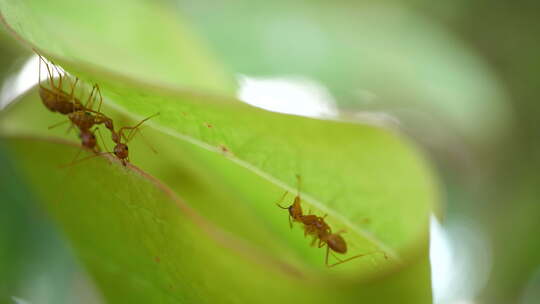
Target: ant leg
(59, 76)
(39, 70)
(73, 88)
(290, 222)
(314, 241)
(356, 256)
(102, 140)
(100, 97)
(89, 104)
(57, 124)
(84, 159)
(48, 72)
(327, 251)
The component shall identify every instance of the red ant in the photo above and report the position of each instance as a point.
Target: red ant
(55, 99)
(317, 226)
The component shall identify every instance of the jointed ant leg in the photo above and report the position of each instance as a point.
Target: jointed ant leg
(57, 124)
(290, 221)
(48, 72)
(102, 140)
(100, 97)
(89, 104)
(327, 252)
(85, 158)
(73, 88)
(59, 76)
(356, 256)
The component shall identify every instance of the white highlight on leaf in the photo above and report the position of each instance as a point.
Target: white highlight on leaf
(290, 95)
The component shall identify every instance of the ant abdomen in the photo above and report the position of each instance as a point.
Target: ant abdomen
(336, 243)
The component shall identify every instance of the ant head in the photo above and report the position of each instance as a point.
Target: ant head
(336, 243)
(296, 209)
(121, 151)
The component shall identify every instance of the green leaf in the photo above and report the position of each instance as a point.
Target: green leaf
(143, 244)
(230, 162)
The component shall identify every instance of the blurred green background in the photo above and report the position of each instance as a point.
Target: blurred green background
(459, 77)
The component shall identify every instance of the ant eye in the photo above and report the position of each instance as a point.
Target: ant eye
(127, 148)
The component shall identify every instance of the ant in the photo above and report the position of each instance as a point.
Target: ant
(121, 150)
(317, 226)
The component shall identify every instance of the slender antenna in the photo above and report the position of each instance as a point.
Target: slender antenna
(146, 141)
(281, 199)
(130, 135)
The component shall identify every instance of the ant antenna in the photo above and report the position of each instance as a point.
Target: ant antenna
(131, 129)
(144, 139)
(84, 159)
(140, 123)
(281, 199)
